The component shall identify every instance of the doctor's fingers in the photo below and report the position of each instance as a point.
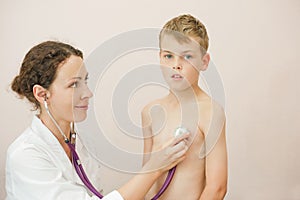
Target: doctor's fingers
(173, 142)
(178, 157)
(177, 151)
(184, 137)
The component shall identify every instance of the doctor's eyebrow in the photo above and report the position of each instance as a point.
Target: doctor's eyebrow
(79, 78)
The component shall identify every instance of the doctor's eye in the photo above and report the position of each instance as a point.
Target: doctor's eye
(74, 84)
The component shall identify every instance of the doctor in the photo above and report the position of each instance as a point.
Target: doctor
(40, 162)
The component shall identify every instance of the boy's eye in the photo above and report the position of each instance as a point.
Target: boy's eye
(187, 57)
(168, 56)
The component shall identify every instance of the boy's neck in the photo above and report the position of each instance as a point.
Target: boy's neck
(187, 95)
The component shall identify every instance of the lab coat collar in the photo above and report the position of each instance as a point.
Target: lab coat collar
(51, 141)
(44, 133)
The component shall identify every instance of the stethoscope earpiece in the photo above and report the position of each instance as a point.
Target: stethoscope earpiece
(45, 104)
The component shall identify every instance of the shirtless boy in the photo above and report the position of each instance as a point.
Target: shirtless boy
(183, 55)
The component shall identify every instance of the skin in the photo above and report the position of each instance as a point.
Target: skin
(203, 174)
(68, 98)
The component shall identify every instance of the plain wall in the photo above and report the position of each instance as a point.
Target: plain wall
(254, 44)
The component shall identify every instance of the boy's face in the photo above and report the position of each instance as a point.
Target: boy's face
(181, 62)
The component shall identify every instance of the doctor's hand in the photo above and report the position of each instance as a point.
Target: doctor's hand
(169, 155)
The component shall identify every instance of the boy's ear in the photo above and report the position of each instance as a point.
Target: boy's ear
(40, 93)
(205, 62)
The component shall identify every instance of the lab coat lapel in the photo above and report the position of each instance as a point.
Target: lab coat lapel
(60, 157)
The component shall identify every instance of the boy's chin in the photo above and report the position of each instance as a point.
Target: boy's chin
(180, 88)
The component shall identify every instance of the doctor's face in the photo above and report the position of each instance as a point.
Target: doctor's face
(69, 93)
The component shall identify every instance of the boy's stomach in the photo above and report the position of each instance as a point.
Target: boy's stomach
(188, 181)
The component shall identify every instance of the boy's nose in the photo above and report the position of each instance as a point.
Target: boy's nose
(177, 64)
(178, 67)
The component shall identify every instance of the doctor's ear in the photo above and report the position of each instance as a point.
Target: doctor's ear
(205, 61)
(40, 93)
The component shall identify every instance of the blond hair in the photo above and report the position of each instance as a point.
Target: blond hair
(186, 25)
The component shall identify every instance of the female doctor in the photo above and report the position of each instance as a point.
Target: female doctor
(40, 162)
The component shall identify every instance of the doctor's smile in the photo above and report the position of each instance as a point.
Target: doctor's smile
(84, 107)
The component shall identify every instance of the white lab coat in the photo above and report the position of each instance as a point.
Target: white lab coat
(37, 168)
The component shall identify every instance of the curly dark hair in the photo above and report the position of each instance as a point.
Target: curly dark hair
(39, 67)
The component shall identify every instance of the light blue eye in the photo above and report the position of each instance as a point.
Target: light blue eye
(168, 56)
(187, 57)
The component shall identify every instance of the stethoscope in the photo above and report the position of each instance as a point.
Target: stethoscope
(75, 158)
(179, 131)
(81, 173)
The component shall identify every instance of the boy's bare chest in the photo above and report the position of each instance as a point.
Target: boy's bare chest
(166, 120)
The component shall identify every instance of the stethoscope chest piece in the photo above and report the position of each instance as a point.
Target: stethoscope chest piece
(179, 131)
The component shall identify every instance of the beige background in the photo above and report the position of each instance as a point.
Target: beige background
(255, 45)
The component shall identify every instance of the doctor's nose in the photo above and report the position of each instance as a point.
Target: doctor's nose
(87, 93)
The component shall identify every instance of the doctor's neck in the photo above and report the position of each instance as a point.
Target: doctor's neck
(65, 126)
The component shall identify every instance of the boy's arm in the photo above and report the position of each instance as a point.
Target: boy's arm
(216, 157)
(147, 133)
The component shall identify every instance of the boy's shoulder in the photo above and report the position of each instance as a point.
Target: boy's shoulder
(211, 112)
(150, 105)
(209, 105)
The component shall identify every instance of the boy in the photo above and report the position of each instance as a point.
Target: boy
(203, 174)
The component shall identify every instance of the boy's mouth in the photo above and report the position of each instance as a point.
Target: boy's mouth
(177, 77)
